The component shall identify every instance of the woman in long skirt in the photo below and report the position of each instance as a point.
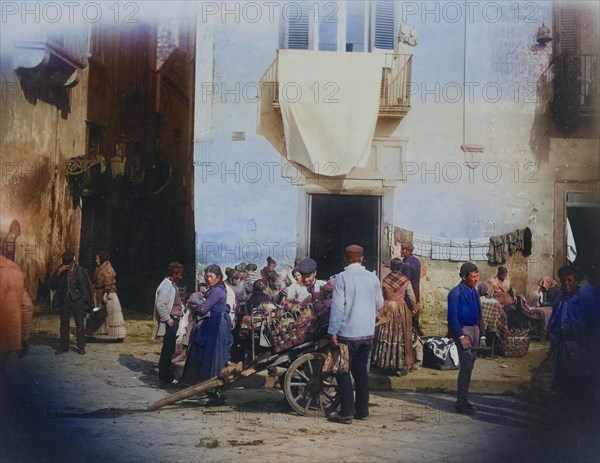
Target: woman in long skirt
(208, 350)
(393, 345)
(111, 327)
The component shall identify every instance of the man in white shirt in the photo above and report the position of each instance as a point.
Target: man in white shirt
(357, 297)
(168, 310)
(307, 289)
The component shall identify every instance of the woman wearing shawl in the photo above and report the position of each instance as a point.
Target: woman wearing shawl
(393, 346)
(208, 351)
(112, 327)
(501, 284)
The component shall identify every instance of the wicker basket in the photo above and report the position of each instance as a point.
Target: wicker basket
(288, 331)
(516, 345)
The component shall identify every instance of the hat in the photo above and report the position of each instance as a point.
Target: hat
(467, 268)
(354, 253)
(68, 257)
(175, 267)
(307, 266)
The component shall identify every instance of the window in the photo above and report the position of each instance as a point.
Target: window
(328, 20)
(94, 139)
(353, 26)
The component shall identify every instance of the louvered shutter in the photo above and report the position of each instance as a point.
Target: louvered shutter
(384, 24)
(298, 29)
(567, 29)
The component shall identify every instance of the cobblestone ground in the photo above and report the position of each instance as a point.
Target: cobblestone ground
(91, 408)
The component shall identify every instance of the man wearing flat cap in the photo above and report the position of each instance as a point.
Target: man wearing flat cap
(74, 292)
(357, 297)
(307, 289)
(168, 310)
(465, 325)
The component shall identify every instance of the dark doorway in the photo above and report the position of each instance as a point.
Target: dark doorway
(583, 213)
(585, 224)
(337, 221)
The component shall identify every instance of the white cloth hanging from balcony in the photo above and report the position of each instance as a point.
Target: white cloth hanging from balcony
(329, 105)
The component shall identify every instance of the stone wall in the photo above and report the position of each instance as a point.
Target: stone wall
(439, 277)
(39, 131)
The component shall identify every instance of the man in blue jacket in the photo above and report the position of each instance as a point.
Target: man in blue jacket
(356, 298)
(465, 325)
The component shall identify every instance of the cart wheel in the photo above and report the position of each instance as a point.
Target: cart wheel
(307, 390)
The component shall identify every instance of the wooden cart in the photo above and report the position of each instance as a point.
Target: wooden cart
(298, 364)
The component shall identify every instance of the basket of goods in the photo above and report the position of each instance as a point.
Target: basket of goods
(252, 321)
(298, 324)
(516, 344)
(282, 332)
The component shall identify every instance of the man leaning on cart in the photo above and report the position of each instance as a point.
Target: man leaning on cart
(357, 297)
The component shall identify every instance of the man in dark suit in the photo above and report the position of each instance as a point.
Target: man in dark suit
(74, 295)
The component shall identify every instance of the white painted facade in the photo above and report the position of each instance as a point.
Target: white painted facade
(477, 79)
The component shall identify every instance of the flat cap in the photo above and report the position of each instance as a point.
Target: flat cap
(354, 252)
(307, 266)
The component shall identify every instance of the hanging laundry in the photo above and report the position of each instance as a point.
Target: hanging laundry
(507, 244)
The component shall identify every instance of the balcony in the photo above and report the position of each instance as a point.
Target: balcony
(394, 92)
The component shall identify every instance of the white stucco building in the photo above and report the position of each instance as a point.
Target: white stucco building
(321, 124)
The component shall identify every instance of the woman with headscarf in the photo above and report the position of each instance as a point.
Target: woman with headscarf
(112, 327)
(393, 344)
(208, 350)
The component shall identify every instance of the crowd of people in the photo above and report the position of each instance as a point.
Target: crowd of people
(239, 290)
(476, 312)
(567, 315)
(379, 322)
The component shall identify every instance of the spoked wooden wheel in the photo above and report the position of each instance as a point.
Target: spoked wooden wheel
(307, 389)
